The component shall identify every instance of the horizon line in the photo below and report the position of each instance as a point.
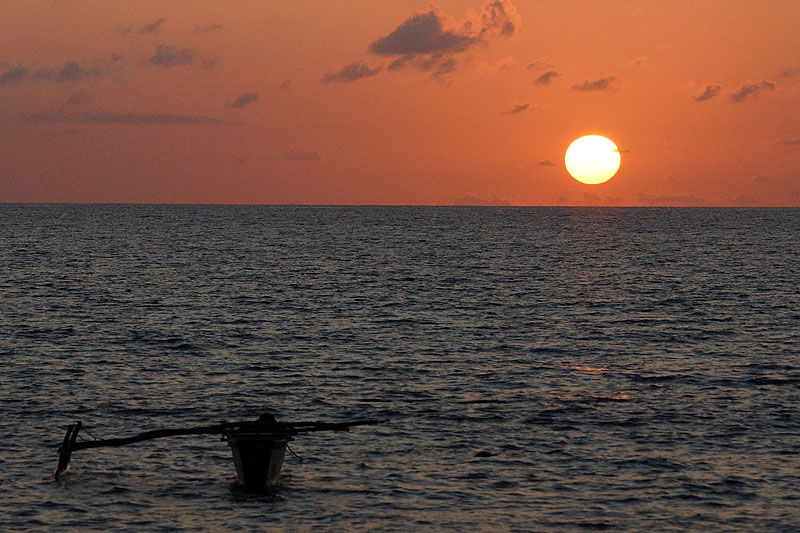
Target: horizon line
(222, 204)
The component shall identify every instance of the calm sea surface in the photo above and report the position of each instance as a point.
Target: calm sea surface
(538, 369)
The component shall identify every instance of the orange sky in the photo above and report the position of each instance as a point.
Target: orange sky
(403, 102)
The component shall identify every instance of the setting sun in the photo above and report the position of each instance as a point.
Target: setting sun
(592, 159)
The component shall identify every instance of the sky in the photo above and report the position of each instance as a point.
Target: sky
(402, 102)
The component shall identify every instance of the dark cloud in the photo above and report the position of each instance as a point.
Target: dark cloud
(72, 71)
(546, 77)
(429, 39)
(603, 84)
(400, 62)
(517, 109)
(14, 75)
(152, 27)
(791, 142)
(170, 56)
(422, 34)
(546, 163)
(709, 91)
(285, 84)
(539, 64)
(751, 88)
(352, 72)
(499, 17)
(789, 73)
(243, 100)
(124, 118)
(308, 157)
(763, 179)
(439, 66)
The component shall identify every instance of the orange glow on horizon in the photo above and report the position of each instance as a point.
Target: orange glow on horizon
(456, 103)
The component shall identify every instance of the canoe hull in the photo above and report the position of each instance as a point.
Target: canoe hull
(258, 457)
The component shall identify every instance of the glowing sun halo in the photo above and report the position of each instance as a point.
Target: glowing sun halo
(592, 159)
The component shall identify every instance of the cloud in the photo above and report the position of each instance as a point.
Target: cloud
(751, 88)
(546, 163)
(72, 71)
(499, 17)
(285, 84)
(352, 72)
(169, 56)
(152, 27)
(517, 109)
(243, 100)
(14, 75)
(209, 28)
(124, 118)
(423, 34)
(539, 64)
(308, 157)
(791, 142)
(603, 84)
(546, 77)
(430, 39)
(789, 73)
(709, 91)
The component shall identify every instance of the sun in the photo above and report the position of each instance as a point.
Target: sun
(592, 159)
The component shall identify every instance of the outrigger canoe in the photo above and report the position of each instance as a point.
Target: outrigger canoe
(258, 446)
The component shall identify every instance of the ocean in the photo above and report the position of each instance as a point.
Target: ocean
(534, 369)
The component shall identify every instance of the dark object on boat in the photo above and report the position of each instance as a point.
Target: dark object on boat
(258, 446)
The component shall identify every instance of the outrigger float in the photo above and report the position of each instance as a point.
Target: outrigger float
(258, 446)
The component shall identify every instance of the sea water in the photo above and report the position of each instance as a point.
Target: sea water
(535, 369)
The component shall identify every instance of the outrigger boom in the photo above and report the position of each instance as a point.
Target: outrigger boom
(258, 446)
